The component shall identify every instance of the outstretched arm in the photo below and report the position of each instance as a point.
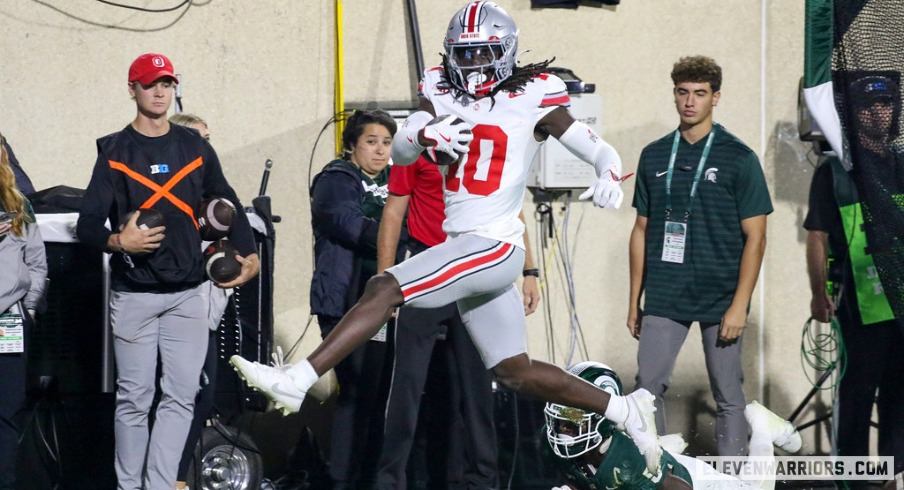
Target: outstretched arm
(584, 143)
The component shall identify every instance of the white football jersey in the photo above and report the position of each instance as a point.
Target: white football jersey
(485, 190)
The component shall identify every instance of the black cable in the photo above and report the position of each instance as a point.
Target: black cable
(115, 26)
(142, 9)
(288, 354)
(576, 329)
(336, 117)
(52, 448)
(543, 211)
(515, 451)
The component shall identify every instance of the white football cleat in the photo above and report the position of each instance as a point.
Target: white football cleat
(274, 383)
(782, 432)
(641, 426)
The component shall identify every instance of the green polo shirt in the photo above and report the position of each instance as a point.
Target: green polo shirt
(732, 188)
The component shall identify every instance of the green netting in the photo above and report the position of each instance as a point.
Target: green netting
(867, 61)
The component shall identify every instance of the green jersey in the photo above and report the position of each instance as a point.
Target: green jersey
(731, 188)
(623, 467)
(375, 194)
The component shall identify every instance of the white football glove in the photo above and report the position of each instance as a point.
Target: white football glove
(449, 135)
(606, 191)
(633, 413)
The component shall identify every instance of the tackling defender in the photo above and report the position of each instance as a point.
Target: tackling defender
(494, 116)
(592, 453)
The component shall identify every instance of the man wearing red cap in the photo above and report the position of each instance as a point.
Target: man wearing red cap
(158, 305)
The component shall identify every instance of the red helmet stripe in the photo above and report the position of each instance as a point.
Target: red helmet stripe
(472, 15)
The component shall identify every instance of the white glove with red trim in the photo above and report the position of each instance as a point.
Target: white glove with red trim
(606, 191)
(448, 134)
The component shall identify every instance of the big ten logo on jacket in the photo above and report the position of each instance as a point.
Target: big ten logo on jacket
(171, 174)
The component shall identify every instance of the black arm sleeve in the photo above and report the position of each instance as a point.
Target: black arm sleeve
(22, 181)
(96, 206)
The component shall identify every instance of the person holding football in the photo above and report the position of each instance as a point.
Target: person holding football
(490, 116)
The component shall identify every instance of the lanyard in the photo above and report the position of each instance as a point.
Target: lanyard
(668, 178)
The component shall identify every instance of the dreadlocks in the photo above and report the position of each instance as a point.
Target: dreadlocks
(520, 76)
(513, 84)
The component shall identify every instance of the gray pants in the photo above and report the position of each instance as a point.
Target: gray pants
(479, 275)
(661, 340)
(145, 324)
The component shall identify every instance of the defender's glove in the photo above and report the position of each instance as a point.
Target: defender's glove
(448, 134)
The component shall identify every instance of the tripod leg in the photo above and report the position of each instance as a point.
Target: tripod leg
(813, 391)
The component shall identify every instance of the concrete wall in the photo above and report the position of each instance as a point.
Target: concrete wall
(262, 74)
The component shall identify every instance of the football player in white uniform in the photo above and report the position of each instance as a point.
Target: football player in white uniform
(489, 116)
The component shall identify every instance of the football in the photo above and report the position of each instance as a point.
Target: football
(441, 157)
(147, 219)
(215, 218)
(220, 262)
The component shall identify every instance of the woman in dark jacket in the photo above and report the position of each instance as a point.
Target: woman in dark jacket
(347, 201)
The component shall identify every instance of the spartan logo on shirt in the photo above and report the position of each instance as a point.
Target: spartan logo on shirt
(160, 168)
(380, 191)
(710, 174)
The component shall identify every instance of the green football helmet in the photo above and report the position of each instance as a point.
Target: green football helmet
(571, 431)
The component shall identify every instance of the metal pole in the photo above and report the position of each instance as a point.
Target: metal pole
(415, 39)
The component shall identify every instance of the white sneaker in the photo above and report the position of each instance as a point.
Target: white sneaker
(641, 426)
(274, 383)
(783, 433)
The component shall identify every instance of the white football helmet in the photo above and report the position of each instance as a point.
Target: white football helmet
(481, 44)
(572, 432)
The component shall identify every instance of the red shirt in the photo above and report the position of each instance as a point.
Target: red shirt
(423, 183)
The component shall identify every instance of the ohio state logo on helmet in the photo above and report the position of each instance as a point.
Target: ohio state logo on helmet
(481, 43)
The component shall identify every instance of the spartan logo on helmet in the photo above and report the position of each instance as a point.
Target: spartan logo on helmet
(481, 44)
(572, 432)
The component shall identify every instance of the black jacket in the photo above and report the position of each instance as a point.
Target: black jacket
(22, 181)
(132, 171)
(344, 237)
